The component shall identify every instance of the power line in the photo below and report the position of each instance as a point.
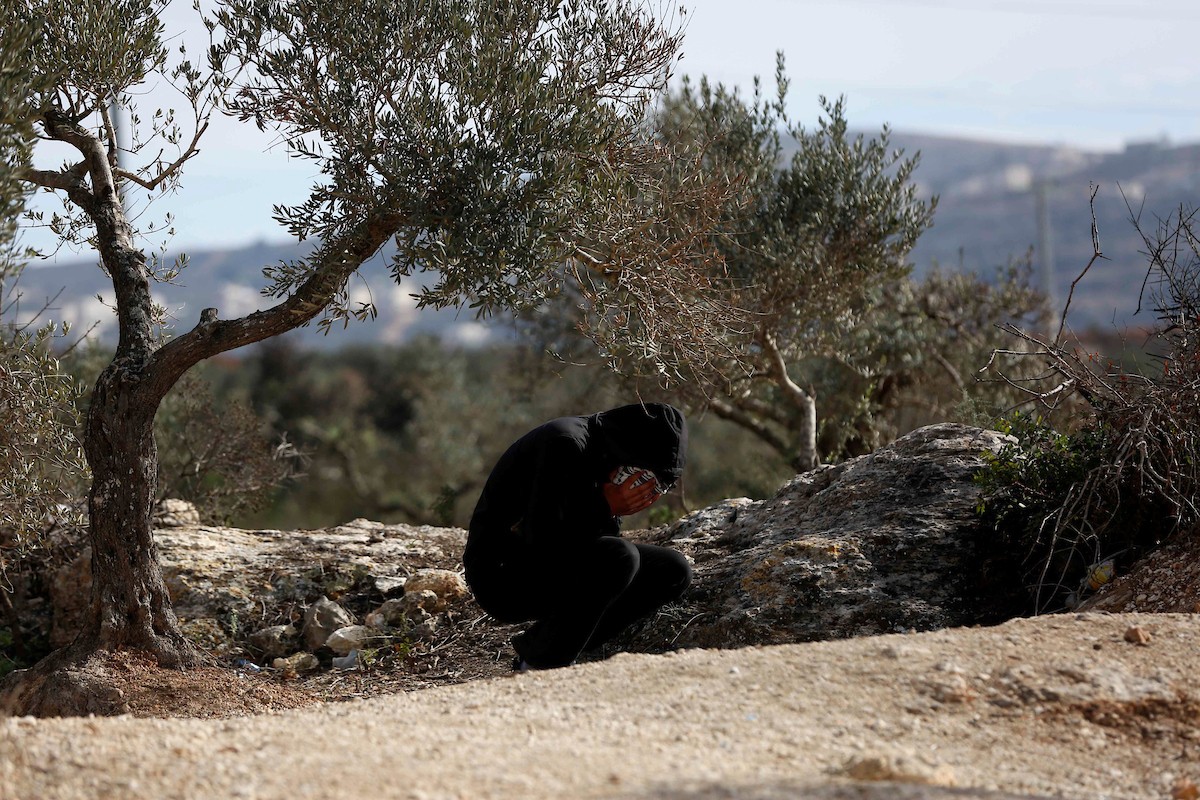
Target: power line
(1134, 11)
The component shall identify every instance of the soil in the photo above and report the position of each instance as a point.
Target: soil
(1076, 706)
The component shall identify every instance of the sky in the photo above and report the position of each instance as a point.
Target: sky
(1094, 74)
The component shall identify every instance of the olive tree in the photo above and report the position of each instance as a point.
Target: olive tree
(818, 220)
(813, 245)
(498, 146)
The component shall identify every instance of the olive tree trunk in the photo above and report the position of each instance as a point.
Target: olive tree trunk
(129, 604)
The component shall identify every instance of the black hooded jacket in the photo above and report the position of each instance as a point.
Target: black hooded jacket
(545, 491)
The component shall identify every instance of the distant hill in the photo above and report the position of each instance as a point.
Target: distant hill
(230, 281)
(987, 214)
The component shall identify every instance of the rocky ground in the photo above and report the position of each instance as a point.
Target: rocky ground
(1080, 706)
(352, 659)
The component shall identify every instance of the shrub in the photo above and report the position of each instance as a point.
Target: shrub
(1128, 477)
(217, 455)
(1059, 509)
(42, 467)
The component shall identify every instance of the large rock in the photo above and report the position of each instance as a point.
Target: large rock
(878, 544)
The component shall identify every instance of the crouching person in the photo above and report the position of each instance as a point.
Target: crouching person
(544, 544)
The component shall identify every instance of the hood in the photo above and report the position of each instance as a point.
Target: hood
(652, 436)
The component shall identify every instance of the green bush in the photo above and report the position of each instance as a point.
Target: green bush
(1057, 510)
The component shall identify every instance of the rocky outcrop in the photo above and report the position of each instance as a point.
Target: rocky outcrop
(882, 543)
(878, 544)
(265, 594)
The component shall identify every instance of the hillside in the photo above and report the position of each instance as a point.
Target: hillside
(986, 216)
(988, 212)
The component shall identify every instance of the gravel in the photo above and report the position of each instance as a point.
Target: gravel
(1056, 706)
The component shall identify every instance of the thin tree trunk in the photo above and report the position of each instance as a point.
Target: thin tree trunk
(805, 457)
(129, 604)
(806, 454)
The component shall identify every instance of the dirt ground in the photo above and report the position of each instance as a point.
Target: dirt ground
(1076, 706)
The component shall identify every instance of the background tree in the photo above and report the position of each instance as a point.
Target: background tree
(914, 357)
(499, 144)
(814, 246)
(801, 242)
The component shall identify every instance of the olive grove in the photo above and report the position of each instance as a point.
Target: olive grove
(499, 147)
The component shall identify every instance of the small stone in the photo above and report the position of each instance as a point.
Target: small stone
(417, 606)
(898, 768)
(297, 662)
(352, 637)
(348, 661)
(392, 614)
(389, 585)
(275, 641)
(1138, 635)
(426, 629)
(172, 513)
(323, 618)
(953, 690)
(447, 585)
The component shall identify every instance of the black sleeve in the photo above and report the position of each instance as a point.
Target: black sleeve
(564, 502)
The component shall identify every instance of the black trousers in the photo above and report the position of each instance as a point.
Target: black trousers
(578, 597)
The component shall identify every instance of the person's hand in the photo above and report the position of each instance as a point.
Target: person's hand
(625, 498)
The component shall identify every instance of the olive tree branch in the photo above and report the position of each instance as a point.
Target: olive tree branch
(171, 169)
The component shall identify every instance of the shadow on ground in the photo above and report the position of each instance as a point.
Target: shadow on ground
(852, 791)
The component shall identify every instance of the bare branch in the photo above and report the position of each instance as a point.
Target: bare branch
(174, 167)
(778, 368)
(335, 261)
(1095, 255)
(66, 179)
(89, 145)
(732, 413)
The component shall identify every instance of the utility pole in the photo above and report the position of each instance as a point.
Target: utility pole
(114, 115)
(1041, 190)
